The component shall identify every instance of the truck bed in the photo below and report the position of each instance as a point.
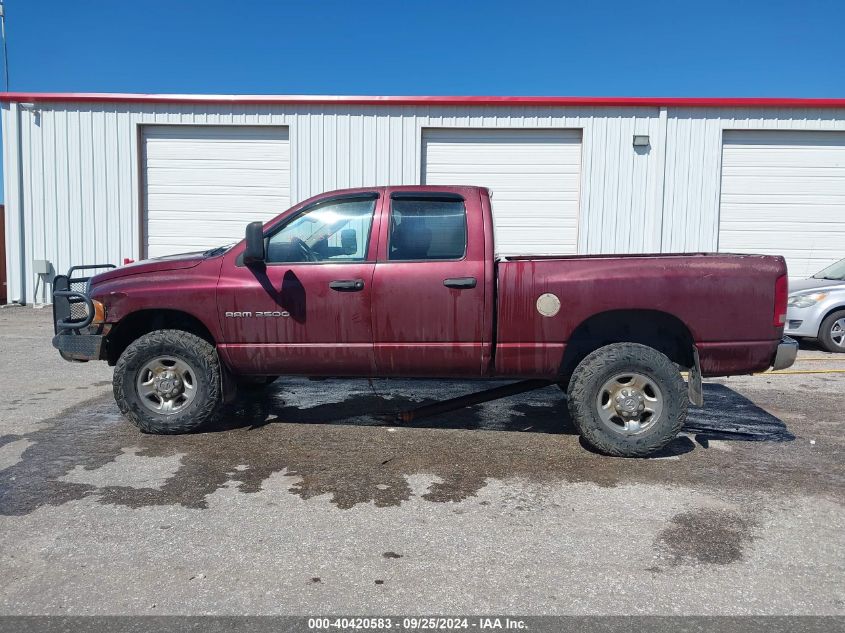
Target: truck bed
(724, 301)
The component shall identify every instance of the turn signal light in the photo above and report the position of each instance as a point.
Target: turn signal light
(99, 313)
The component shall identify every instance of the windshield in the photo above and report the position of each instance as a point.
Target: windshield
(834, 271)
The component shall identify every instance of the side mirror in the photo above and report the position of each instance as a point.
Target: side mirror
(349, 241)
(254, 251)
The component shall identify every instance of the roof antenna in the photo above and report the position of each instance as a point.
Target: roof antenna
(5, 51)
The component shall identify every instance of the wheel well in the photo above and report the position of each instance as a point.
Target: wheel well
(831, 311)
(660, 330)
(135, 325)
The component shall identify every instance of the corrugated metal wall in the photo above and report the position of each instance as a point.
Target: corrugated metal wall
(72, 170)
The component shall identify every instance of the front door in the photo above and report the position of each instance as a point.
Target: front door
(428, 287)
(307, 310)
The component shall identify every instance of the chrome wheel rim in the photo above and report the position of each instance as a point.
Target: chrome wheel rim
(629, 403)
(837, 332)
(166, 385)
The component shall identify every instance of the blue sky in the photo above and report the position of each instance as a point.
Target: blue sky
(632, 48)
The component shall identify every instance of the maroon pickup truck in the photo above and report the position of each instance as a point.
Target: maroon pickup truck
(406, 282)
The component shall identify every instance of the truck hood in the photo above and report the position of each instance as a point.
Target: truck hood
(156, 264)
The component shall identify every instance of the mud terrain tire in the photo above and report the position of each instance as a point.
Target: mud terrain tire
(601, 381)
(200, 357)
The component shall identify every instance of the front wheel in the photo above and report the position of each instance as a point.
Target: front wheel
(168, 382)
(627, 400)
(832, 332)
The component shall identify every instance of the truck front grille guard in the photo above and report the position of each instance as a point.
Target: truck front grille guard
(72, 307)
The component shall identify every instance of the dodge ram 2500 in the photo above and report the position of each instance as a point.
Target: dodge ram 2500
(406, 282)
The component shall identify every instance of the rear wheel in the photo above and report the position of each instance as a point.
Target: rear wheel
(627, 400)
(832, 332)
(168, 381)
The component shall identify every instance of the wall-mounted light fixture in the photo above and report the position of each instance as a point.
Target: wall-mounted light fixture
(34, 109)
(641, 140)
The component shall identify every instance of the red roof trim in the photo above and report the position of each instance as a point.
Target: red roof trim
(713, 102)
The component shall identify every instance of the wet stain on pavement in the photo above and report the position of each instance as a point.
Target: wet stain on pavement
(744, 422)
(347, 451)
(8, 439)
(704, 536)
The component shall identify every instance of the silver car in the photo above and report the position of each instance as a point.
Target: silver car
(816, 308)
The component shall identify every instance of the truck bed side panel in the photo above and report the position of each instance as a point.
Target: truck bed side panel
(726, 302)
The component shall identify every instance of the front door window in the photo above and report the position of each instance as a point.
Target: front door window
(335, 231)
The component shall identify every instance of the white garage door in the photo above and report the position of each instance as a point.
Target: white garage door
(534, 176)
(204, 184)
(784, 193)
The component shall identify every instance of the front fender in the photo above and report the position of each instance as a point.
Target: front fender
(191, 291)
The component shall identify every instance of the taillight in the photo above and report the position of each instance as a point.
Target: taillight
(781, 292)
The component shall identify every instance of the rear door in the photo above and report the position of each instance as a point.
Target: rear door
(308, 309)
(429, 285)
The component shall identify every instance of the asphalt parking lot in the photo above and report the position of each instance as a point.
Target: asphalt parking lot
(304, 500)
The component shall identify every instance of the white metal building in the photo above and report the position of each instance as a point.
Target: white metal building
(93, 178)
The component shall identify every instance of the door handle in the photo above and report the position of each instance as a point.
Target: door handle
(460, 282)
(347, 285)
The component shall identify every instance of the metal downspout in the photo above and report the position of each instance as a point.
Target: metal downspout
(21, 218)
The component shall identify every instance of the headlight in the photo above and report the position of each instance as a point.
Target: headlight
(805, 300)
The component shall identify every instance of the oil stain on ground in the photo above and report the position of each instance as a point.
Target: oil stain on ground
(704, 536)
(346, 451)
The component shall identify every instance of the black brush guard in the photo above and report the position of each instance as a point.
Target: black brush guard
(72, 307)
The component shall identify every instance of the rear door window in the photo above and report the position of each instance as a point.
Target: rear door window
(427, 228)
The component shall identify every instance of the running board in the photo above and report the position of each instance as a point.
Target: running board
(468, 400)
